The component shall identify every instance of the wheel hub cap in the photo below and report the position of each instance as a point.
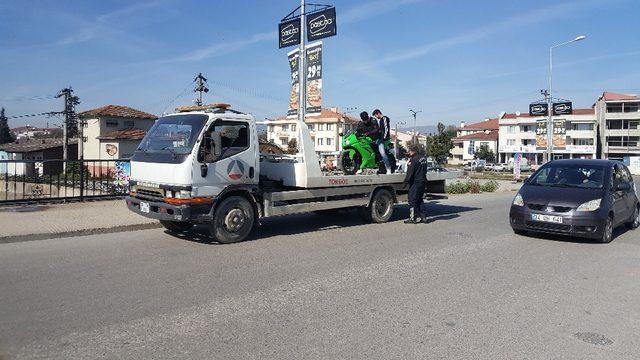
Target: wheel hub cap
(234, 220)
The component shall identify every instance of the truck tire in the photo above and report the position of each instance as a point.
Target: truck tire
(176, 226)
(233, 220)
(380, 209)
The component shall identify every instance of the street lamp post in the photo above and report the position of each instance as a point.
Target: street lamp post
(550, 96)
(415, 113)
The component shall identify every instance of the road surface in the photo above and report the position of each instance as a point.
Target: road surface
(314, 287)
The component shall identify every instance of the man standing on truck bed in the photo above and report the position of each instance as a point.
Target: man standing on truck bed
(384, 135)
(367, 127)
(416, 179)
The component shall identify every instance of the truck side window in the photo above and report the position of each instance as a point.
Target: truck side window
(234, 136)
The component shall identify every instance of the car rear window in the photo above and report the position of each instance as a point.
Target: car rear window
(588, 177)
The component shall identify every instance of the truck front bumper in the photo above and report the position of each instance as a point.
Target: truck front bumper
(160, 210)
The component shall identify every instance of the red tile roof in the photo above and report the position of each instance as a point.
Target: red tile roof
(482, 136)
(31, 145)
(610, 96)
(126, 134)
(490, 124)
(117, 111)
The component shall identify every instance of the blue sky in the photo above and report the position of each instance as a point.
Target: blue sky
(462, 60)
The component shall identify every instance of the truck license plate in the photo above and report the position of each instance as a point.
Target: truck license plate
(547, 218)
(144, 207)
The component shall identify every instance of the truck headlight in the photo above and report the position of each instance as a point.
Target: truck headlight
(590, 205)
(518, 201)
(182, 194)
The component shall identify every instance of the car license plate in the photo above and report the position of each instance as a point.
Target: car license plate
(547, 218)
(144, 207)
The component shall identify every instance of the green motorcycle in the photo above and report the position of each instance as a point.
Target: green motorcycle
(359, 154)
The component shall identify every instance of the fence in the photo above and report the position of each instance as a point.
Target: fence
(43, 180)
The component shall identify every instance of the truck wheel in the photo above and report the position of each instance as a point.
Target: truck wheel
(233, 220)
(176, 226)
(381, 208)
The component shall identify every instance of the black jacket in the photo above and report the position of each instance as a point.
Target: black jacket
(368, 128)
(416, 170)
(384, 128)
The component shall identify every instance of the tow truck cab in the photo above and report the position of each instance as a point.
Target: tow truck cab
(190, 158)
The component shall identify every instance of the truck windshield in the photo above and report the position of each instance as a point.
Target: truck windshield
(173, 134)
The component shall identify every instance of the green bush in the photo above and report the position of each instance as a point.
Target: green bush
(457, 188)
(489, 186)
(474, 187)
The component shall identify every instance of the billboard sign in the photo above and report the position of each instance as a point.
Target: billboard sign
(294, 97)
(559, 134)
(562, 108)
(541, 134)
(314, 78)
(289, 33)
(538, 109)
(321, 24)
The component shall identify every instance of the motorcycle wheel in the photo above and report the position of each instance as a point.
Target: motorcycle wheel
(350, 166)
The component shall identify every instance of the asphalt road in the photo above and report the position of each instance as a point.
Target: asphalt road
(314, 287)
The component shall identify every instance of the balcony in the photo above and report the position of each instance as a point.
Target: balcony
(581, 148)
(517, 148)
(581, 134)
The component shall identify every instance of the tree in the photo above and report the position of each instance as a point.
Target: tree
(439, 145)
(292, 146)
(452, 131)
(5, 133)
(484, 153)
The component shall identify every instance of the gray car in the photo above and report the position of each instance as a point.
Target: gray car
(581, 198)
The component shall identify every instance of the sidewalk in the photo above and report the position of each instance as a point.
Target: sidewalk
(33, 222)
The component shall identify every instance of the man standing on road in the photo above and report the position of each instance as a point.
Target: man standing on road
(385, 134)
(416, 179)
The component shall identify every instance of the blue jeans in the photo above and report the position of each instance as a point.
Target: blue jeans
(383, 154)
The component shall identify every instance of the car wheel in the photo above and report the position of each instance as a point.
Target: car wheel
(607, 232)
(233, 220)
(635, 221)
(176, 226)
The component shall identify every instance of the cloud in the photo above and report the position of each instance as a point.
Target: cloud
(530, 18)
(225, 47)
(371, 9)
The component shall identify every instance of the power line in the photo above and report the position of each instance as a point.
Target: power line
(51, 113)
(28, 98)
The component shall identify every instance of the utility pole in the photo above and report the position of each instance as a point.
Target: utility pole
(70, 124)
(200, 81)
(302, 78)
(414, 113)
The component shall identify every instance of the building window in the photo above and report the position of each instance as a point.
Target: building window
(614, 124)
(511, 142)
(527, 142)
(526, 128)
(293, 127)
(512, 129)
(614, 108)
(284, 141)
(112, 123)
(285, 127)
(583, 142)
(270, 127)
(624, 141)
(320, 141)
(329, 141)
(310, 126)
(581, 127)
(320, 127)
(129, 123)
(631, 107)
(329, 128)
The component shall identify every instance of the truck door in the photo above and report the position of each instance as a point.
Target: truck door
(233, 164)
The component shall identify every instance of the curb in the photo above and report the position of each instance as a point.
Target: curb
(76, 233)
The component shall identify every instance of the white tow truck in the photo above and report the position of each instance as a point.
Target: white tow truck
(201, 165)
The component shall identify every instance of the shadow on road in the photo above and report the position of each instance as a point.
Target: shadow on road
(619, 231)
(310, 222)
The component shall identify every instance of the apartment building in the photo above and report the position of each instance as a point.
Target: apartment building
(325, 129)
(469, 139)
(521, 133)
(619, 119)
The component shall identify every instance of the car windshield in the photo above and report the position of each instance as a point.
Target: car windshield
(173, 134)
(578, 176)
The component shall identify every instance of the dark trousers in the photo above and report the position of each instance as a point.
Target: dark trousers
(416, 193)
